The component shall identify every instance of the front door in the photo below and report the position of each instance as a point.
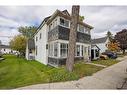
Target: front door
(92, 54)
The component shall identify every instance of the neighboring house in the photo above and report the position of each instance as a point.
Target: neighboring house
(30, 49)
(5, 49)
(52, 38)
(95, 52)
(101, 43)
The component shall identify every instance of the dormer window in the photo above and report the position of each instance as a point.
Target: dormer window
(64, 22)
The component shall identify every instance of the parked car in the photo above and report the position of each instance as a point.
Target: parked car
(103, 57)
(110, 54)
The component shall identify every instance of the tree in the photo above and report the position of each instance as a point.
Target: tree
(81, 18)
(109, 35)
(113, 45)
(18, 43)
(27, 31)
(72, 37)
(121, 37)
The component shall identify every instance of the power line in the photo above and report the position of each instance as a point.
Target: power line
(7, 36)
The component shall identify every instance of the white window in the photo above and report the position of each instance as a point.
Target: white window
(87, 30)
(80, 28)
(77, 50)
(53, 50)
(88, 50)
(63, 50)
(82, 50)
(64, 22)
(50, 49)
(85, 50)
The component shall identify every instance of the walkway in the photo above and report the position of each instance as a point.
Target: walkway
(109, 78)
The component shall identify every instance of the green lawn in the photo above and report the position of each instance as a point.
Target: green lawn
(17, 72)
(107, 62)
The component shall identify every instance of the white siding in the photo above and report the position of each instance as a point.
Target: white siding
(102, 46)
(6, 50)
(27, 52)
(41, 45)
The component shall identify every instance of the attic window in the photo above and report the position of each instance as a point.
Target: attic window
(64, 22)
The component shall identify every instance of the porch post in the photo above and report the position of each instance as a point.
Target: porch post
(58, 50)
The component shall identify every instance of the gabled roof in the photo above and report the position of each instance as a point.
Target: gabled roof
(66, 15)
(93, 45)
(40, 26)
(31, 44)
(4, 46)
(65, 12)
(99, 40)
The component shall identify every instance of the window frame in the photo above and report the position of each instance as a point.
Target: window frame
(65, 20)
(78, 29)
(65, 49)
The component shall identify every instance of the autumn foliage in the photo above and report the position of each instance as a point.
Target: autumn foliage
(113, 45)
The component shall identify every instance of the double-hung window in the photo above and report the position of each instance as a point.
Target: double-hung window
(82, 50)
(63, 50)
(77, 50)
(53, 50)
(64, 22)
(87, 30)
(80, 28)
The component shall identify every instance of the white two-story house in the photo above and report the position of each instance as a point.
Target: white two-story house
(52, 38)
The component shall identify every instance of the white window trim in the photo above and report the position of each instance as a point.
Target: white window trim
(52, 56)
(63, 25)
(65, 48)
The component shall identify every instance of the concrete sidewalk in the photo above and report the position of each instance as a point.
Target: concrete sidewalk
(109, 78)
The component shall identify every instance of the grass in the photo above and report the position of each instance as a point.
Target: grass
(107, 62)
(17, 72)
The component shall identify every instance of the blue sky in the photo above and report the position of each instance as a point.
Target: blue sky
(102, 18)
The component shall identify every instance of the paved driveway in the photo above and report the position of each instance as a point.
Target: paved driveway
(109, 78)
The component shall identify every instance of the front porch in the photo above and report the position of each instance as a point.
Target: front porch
(58, 51)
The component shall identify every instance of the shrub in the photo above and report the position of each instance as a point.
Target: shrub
(60, 74)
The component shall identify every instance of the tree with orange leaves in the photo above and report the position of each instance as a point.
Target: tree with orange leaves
(113, 45)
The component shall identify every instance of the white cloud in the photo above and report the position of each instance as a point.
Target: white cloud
(102, 18)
